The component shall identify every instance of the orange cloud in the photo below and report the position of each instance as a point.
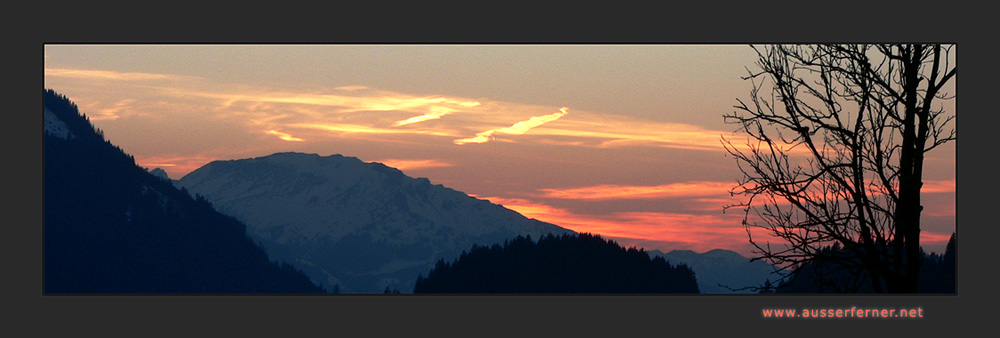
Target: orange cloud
(828, 190)
(284, 136)
(620, 134)
(655, 230)
(351, 88)
(414, 164)
(933, 239)
(358, 101)
(940, 186)
(350, 107)
(353, 128)
(435, 113)
(360, 109)
(710, 204)
(176, 166)
(611, 192)
(112, 75)
(939, 210)
(516, 129)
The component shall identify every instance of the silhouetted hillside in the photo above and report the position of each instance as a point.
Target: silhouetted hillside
(112, 227)
(937, 275)
(581, 263)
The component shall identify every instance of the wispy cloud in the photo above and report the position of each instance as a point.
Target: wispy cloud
(938, 186)
(414, 164)
(611, 192)
(363, 129)
(933, 238)
(356, 109)
(101, 111)
(612, 131)
(940, 211)
(518, 128)
(113, 75)
(710, 203)
(436, 112)
(663, 230)
(284, 136)
(175, 165)
(373, 101)
(351, 88)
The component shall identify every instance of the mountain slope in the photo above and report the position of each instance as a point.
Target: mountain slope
(111, 227)
(362, 226)
(728, 268)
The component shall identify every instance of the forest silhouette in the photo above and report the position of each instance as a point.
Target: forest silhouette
(830, 274)
(582, 263)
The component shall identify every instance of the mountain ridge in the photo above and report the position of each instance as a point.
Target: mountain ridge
(722, 270)
(362, 226)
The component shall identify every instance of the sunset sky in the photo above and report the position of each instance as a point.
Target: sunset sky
(618, 140)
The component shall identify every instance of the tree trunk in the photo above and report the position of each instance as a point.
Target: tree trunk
(906, 244)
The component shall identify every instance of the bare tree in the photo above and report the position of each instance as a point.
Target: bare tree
(837, 138)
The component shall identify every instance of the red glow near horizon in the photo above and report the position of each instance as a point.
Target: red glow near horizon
(655, 230)
(664, 231)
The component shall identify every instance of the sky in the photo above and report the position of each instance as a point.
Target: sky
(624, 141)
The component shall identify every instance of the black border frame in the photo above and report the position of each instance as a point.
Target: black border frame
(476, 314)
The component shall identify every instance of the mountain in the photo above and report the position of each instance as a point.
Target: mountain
(362, 226)
(581, 263)
(158, 172)
(111, 227)
(719, 266)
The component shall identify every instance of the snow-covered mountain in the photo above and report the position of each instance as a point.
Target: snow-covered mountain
(361, 226)
(159, 172)
(725, 267)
